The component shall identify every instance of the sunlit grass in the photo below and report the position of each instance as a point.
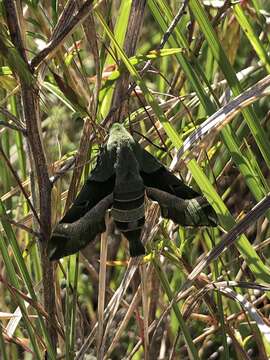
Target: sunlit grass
(139, 308)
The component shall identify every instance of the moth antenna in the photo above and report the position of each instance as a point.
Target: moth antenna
(150, 118)
(162, 148)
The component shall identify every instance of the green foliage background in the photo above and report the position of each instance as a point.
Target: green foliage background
(65, 71)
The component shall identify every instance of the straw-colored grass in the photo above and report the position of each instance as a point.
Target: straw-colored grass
(190, 81)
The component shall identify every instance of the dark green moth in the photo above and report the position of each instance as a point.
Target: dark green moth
(123, 175)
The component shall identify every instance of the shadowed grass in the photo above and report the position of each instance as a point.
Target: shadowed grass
(169, 79)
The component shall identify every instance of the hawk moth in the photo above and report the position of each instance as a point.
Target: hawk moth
(123, 175)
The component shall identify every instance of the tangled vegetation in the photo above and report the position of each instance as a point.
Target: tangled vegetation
(189, 80)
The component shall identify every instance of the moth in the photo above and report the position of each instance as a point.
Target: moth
(124, 175)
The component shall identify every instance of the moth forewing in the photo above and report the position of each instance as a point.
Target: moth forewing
(68, 238)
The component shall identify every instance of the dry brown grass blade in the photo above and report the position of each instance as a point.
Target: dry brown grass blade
(20, 185)
(102, 289)
(79, 161)
(253, 215)
(9, 125)
(130, 311)
(66, 26)
(131, 40)
(31, 111)
(13, 118)
(215, 123)
(225, 288)
(145, 305)
(140, 342)
(134, 263)
(112, 307)
(21, 342)
(91, 36)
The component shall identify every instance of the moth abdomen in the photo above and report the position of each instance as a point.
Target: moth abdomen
(127, 227)
(128, 198)
(128, 212)
(136, 247)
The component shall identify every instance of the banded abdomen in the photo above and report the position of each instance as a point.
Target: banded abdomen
(128, 199)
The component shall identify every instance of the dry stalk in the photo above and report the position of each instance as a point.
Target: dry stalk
(30, 104)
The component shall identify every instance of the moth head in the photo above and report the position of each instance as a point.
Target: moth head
(118, 136)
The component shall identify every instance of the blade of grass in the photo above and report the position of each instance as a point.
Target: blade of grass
(220, 56)
(74, 306)
(177, 40)
(24, 272)
(2, 343)
(227, 220)
(119, 34)
(14, 281)
(68, 294)
(102, 292)
(258, 268)
(145, 310)
(171, 132)
(166, 286)
(221, 316)
(251, 35)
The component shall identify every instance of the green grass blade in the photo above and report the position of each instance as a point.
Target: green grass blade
(24, 273)
(258, 268)
(251, 35)
(171, 132)
(119, 35)
(14, 281)
(178, 40)
(220, 56)
(166, 286)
